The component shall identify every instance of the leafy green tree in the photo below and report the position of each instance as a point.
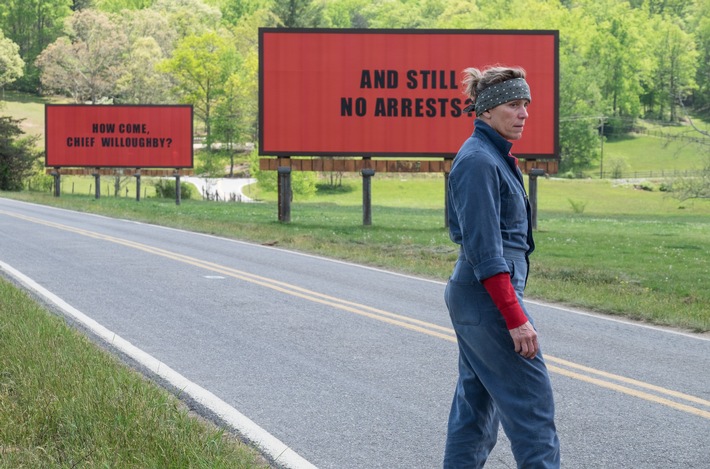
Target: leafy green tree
(345, 14)
(236, 111)
(18, 154)
(142, 83)
(234, 10)
(151, 23)
(86, 63)
(299, 13)
(11, 64)
(617, 52)
(582, 105)
(396, 14)
(82, 4)
(200, 67)
(32, 25)
(674, 69)
(677, 8)
(117, 6)
(700, 21)
(189, 17)
(459, 14)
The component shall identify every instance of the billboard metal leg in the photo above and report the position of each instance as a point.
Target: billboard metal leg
(57, 182)
(367, 174)
(532, 189)
(138, 184)
(177, 187)
(97, 183)
(285, 193)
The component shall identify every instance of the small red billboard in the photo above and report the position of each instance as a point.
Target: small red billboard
(104, 136)
(394, 92)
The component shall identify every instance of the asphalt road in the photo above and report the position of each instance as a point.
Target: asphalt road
(347, 366)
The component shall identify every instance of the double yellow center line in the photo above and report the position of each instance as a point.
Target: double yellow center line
(639, 389)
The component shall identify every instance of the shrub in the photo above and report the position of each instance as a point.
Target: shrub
(17, 154)
(578, 206)
(165, 188)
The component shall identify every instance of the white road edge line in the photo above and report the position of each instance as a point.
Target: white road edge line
(267, 443)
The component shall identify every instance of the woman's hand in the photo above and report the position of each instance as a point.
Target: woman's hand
(525, 340)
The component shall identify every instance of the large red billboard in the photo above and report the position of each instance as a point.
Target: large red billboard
(103, 136)
(394, 92)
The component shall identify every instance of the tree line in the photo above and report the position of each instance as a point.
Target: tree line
(620, 60)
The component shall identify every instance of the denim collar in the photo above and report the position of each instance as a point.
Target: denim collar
(501, 144)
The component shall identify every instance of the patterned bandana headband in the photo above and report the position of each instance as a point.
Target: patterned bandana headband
(500, 93)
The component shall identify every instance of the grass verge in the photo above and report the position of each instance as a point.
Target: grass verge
(66, 403)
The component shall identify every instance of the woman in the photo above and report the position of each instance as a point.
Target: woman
(502, 376)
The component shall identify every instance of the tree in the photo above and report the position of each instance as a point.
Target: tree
(151, 23)
(701, 26)
(17, 154)
(141, 82)
(459, 14)
(117, 6)
(189, 17)
(200, 66)
(299, 13)
(11, 64)
(396, 15)
(32, 25)
(236, 111)
(346, 14)
(234, 10)
(697, 187)
(661, 7)
(81, 4)
(87, 63)
(674, 70)
(236, 116)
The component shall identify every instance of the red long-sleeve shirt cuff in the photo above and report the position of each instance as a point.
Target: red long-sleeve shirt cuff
(503, 295)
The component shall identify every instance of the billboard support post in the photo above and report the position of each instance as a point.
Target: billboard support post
(285, 193)
(532, 189)
(97, 183)
(138, 184)
(177, 186)
(367, 174)
(57, 182)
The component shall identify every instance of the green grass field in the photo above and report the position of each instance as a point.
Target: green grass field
(660, 149)
(28, 108)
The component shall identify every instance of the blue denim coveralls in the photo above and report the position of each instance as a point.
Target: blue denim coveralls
(489, 217)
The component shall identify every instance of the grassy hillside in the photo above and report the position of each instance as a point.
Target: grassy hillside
(29, 108)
